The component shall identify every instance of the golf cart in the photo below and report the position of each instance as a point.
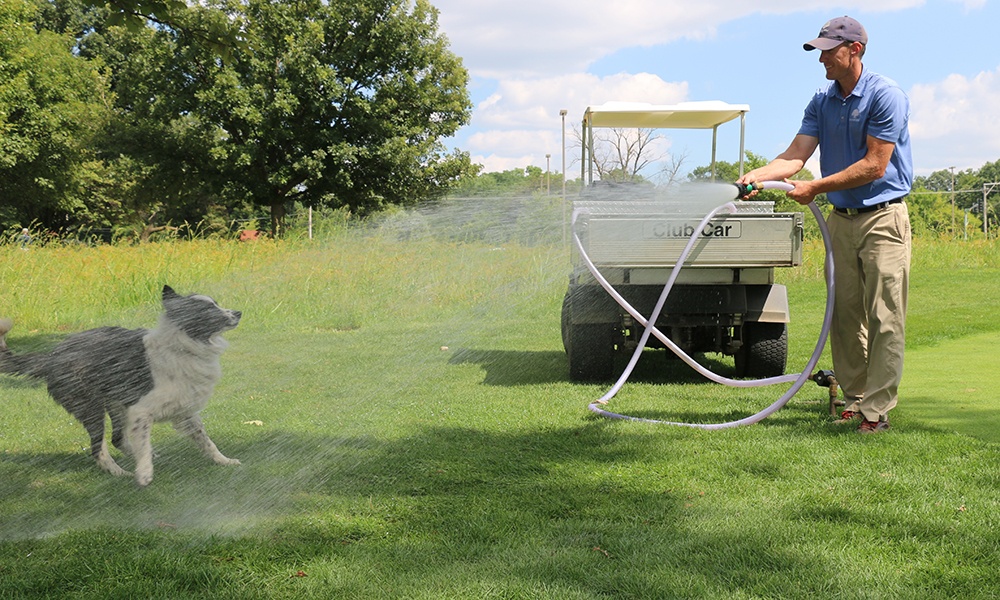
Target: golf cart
(724, 300)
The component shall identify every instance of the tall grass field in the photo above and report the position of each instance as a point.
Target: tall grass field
(399, 398)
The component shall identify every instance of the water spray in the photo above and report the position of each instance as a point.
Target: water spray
(798, 380)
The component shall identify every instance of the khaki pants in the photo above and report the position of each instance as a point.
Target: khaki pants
(871, 258)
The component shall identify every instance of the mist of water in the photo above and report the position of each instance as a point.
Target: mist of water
(343, 457)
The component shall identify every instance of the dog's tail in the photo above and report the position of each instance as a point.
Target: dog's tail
(24, 364)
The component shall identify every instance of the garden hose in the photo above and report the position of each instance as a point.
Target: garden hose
(650, 327)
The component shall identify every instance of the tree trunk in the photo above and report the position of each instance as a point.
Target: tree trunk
(277, 219)
(148, 230)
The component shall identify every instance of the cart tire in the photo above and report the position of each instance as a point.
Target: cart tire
(591, 351)
(566, 322)
(590, 347)
(764, 352)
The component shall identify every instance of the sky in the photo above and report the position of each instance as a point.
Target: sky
(528, 59)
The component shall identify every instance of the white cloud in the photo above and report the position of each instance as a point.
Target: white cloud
(521, 118)
(537, 102)
(501, 39)
(970, 5)
(519, 38)
(529, 60)
(957, 119)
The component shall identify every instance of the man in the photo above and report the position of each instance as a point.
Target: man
(859, 123)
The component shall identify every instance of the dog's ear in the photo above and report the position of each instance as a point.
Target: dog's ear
(168, 292)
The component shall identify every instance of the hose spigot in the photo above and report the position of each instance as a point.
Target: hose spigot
(826, 378)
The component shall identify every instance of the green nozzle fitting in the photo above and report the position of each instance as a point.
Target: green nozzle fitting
(745, 189)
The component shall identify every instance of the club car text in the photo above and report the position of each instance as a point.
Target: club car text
(728, 229)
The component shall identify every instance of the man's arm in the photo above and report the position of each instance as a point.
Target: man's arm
(865, 171)
(787, 163)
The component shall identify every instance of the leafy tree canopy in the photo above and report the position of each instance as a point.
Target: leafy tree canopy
(341, 103)
(51, 105)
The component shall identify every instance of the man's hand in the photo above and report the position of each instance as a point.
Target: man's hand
(802, 191)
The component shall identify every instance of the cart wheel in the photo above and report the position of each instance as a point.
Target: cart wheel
(764, 351)
(567, 321)
(591, 351)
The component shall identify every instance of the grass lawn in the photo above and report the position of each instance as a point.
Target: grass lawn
(407, 430)
(953, 386)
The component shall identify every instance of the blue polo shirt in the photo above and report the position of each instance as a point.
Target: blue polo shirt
(877, 107)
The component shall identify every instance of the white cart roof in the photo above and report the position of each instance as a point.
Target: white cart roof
(686, 115)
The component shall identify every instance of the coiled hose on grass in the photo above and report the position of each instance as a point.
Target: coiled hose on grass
(650, 328)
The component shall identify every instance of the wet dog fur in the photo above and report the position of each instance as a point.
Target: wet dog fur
(137, 377)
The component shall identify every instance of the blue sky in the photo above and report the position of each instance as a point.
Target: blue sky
(528, 60)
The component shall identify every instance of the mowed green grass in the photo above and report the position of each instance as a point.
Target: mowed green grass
(402, 410)
(955, 387)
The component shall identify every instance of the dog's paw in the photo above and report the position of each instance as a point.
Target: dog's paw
(228, 462)
(120, 472)
(143, 479)
(112, 467)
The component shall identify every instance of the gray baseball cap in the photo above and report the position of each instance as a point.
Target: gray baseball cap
(837, 31)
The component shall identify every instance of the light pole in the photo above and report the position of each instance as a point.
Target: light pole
(562, 114)
(548, 179)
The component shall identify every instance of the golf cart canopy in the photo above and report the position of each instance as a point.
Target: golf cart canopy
(686, 115)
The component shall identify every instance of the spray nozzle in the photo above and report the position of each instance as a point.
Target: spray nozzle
(745, 189)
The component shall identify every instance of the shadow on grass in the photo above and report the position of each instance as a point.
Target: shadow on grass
(658, 367)
(511, 368)
(594, 509)
(518, 368)
(981, 422)
(12, 382)
(554, 506)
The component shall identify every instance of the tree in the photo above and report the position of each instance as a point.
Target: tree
(52, 103)
(222, 36)
(335, 103)
(339, 103)
(620, 154)
(930, 212)
(966, 196)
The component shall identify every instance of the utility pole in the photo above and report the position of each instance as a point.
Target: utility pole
(548, 178)
(987, 188)
(952, 201)
(562, 114)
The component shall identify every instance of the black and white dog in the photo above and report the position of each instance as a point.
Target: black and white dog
(137, 377)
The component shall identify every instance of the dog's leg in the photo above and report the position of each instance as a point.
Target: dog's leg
(140, 426)
(195, 429)
(99, 450)
(105, 462)
(119, 435)
(93, 422)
